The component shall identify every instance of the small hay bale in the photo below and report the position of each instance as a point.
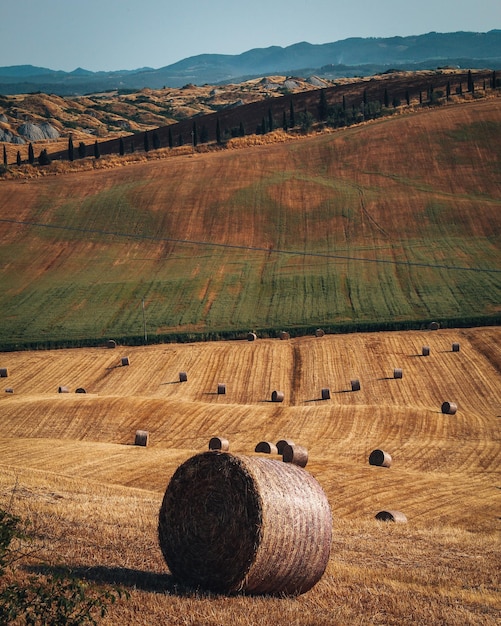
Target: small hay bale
(391, 516)
(319, 332)
(111, 343)
(183, 377)
(282, 443)
(125, 361)
(142, 438)
(277, 396)
(434, 326)
(355, 384)
(298, 455)
(455, 347)
(326, 393)
(397, 372)
(9, 390)
(266, 447)
(80, 390)
(380, 458)
(449, 408)
(251, 336)
(3, 372)
(425, 351)
(63, 390)
(221, 389)
(284, 335)
(247, 524)
(218, 443)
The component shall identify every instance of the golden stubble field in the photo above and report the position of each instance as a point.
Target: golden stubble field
(92, 498)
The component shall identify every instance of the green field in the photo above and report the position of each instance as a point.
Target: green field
(382, 226)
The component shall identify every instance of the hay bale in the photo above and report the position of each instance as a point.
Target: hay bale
(284, 335)
(425, 351)
(391, 516)
(125, 361)
(250, 524)
(326, 394)
(449, 408)
(80, 390)
(183, 377)
(434, 326)
(455, 347)
(355, 384)
(397, 372)
(142, 438)
(277, 396)
(221, 389)
(62, 389)
(218, 443)
(380, 458)
(295, 454)
(319, 332)
(3, 372)
(111, 343)
(9, 390)
(266, 447)
(282, 443)
(251, 336)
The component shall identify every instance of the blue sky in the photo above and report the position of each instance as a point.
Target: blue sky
(126, 34)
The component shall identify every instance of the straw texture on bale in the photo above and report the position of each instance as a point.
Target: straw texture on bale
(434, 326)
(221, 389)
(3, 372)
(63, 390)
(355, 384)
(125, 360)
(295, 454)
(326, 394)
(455, 347)
(380, 458)
(266, 447)
(391, 516)
(80, 390)
(277, 396)
(425, 351)
(449, 408)
(284, 335)
(397, 372)
(111, 343)
(142, 438)
(219, 443)
(183, 377)
(251, 336)
(319, 332)
(282, 443)
(250, 524)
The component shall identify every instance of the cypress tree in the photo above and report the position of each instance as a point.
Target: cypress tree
(494, 79)
(5, 156)
(97, 153)
(386, 98)
(121, 147)
(292, 115)
(270, 121)
(31, 154)
(44, 158)
(407, 97)
(18, 158)
(471, 86)
(194, 135)
(322, 106)
(448, 90)
(71, 155)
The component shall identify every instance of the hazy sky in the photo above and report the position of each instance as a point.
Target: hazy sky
(129, 34)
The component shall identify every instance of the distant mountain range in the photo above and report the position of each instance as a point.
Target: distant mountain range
(349, 57)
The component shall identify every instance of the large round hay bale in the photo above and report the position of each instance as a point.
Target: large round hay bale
(295, 454)
(221, 389)
(111, 343)
(62, 389)
(125, 360)
(355, 384)
(455, 347)
(282, 443)
(142, 438)
(449, 408)
(183, 377)
(380, 458)
(219, 443)
(251, 336)
(425, 351)
(434, 326)
(277, 396)
(3, 372)
(319, 332)
(391, 516)
(250, 524)
(267, 447)
(80, 390)
(397, 372)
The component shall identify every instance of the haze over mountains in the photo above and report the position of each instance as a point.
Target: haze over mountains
(349, 57)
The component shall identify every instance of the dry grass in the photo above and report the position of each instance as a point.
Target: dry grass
(68, 465)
